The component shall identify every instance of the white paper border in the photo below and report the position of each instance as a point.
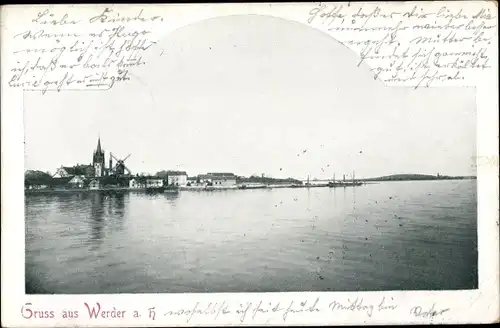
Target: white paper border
(472, 306)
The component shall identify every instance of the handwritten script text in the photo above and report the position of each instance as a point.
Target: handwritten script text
(59, 52)
(418, 45)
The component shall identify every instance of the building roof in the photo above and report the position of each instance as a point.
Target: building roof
(227, 177)
(78, 169)
(98, 149)
(212, 176)
(176, 173)
(221, 174)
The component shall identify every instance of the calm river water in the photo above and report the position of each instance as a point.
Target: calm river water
(386, 236)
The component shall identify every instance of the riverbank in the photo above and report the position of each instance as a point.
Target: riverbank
(102, 190)
(191, 188)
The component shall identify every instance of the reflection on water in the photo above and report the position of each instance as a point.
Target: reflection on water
(387, 236)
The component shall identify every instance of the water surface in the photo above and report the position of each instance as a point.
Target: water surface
(416, 235)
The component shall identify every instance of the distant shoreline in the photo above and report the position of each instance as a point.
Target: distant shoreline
(417, 177)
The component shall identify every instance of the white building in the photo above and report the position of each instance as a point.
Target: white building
(77, 181)
(154, 182)
(136, 184)
(177, 178)
(62, 172)
(94, 184)
(221, 179)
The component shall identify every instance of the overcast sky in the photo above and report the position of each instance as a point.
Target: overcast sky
(253, 95)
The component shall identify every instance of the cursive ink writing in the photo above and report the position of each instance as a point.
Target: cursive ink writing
(245, 311)
(418, 45)
(385, 305)
(58, 52)
(46, 17)
(352, 305)
(211, 309)
(110, 16)
(418, 311)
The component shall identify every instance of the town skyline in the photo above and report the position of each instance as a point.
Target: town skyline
(105, 169)
(324, 172)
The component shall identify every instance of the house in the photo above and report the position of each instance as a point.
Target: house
(78, 181)
(224, 181)
(221, 179)
(204, 178)
(94, 184)
(62, 172)
(137, 183)
(177, 178)
(67, 171)
(192, 181)
(154, 182)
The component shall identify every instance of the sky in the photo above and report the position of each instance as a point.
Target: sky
(255, 95)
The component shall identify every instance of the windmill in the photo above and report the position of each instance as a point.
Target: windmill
(120, 168)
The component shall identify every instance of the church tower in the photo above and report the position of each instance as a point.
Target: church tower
(98, 160)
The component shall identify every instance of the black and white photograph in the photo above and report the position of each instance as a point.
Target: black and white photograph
(253, 155)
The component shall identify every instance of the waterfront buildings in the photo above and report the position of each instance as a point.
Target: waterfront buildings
(136, 183)
(95, 169)
(223, 179)
(177, 178)
(154, 182)
(94, 184)
(97, 175)
(77, 181)
(218, 179)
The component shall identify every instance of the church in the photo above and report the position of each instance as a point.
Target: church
(98, 161)
(99, 166)
(96, 169)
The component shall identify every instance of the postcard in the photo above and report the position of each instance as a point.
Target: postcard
(250, 164)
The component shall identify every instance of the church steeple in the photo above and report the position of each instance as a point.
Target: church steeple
(98, 149)
(98, 159)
